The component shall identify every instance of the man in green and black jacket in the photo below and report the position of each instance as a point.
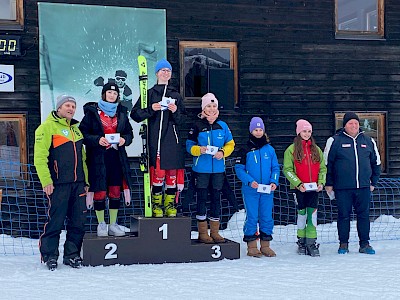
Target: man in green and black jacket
(59, 159)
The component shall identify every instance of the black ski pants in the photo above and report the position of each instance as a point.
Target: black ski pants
(360, 199)
(203, 181)
(67, 201)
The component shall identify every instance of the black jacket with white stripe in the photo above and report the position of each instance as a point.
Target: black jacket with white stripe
(351, 162)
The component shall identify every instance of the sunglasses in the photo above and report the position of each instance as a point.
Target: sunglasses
(120, 78)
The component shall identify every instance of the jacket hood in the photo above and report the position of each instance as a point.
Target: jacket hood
(90, 106)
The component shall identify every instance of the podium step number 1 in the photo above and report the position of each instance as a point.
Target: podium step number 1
(152, 241)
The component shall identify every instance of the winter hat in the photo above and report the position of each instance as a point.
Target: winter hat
(62, 99)
(255, 123)
(120, 73)
(302, 125)
(110, 86)
(207, 99)
(163, 64)
(349, 116)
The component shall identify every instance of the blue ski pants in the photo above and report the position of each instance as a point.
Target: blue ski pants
(258, 208)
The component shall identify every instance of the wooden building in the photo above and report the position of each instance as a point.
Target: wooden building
(291, 59)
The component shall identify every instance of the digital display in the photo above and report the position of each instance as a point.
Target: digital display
(10, 45)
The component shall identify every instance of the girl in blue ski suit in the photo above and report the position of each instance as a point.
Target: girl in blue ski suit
(258, 164)
(209, 165)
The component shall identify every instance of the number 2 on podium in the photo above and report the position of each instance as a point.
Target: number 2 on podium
(112, 253)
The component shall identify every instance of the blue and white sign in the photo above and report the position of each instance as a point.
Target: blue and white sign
(6, 78)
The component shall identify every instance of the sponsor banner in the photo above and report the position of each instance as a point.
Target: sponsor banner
(6, 78)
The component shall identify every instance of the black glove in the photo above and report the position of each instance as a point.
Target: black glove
(99, 81)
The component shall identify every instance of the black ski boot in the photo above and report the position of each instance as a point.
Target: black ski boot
(75, 262)
(51, 264)
(312, 247)
(302, 249)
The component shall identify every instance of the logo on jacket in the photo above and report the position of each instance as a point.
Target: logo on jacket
(266, 156)
(220, 136)
(65, 132)
(363, 146)
(76, 132)
(346, 145)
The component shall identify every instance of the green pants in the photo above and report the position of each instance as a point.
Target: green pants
(307, 223)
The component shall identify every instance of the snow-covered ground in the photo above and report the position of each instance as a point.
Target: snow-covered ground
(287, 276)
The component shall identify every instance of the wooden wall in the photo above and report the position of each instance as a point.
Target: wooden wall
(290, 64)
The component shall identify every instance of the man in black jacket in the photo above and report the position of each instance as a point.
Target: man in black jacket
(353, 164)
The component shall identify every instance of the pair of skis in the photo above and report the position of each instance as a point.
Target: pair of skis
(144, 157)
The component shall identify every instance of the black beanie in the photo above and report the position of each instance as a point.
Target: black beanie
(110, 86)
(349, 116)
(120, 73)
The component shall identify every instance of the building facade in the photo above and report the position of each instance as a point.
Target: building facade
(280, 60)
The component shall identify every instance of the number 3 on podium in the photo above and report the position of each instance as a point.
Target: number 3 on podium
(217, 251)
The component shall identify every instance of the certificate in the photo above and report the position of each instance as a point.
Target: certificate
(310, 186)
(264, 188)
(112, 138)
(165, 101)
(211, 150)
(331, 195)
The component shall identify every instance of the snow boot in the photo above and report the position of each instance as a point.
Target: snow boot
(75, 262)
(51, 264)
(266, 250)
(312, 247)
(202, 227)
(115, 230)
(366, 249)
(102, 229)
(252, 249)
(214, 232)
(343, 248)
(302, 248)
(169, 208)
(156, 202)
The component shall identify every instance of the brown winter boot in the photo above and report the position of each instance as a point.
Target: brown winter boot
(214, 232)
(252, 249)
(266, 250)
(203, 233)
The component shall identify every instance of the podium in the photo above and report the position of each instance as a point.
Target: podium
(154, 241)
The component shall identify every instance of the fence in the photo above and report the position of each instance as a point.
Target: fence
(23, 208)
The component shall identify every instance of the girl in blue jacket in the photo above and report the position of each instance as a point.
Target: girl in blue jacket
(209, 141)
(258, 169)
